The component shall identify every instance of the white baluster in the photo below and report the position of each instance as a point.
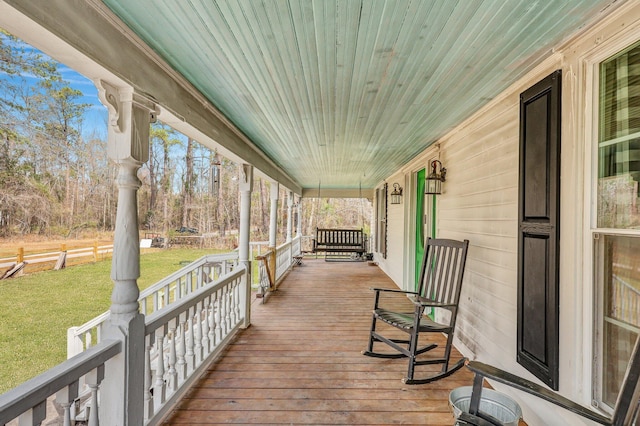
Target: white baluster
(93, 408)
(189, 355)
(181, 364)
(236, 299)
(232, 304)
(158, 385)
(65, 398)
(148, 400)
(178, 289)
(228, 309)
(205, 327)
(93, 380)
(212, 323)
(217, 318)
(173, 291)
(200, 276)
(172, 373)
(197, 330)
(224, 312)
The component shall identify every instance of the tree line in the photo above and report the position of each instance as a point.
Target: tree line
(56, 179)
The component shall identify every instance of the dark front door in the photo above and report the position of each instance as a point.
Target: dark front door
(538, 233)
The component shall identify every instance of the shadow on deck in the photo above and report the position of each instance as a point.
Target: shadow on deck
(300, 361)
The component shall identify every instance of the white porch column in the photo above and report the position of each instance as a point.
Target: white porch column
(244, 252)
(299, 224)
(121, 392)
(273, 224)
(289, 214)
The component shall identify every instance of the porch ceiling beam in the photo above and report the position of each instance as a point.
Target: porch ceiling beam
(90, 28)
(338, 193)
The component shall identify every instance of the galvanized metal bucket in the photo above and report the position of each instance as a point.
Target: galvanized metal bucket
(494, 403)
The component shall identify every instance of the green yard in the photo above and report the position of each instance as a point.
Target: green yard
(37, 309)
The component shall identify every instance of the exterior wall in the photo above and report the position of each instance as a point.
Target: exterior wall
(395, 235)
(480, 202)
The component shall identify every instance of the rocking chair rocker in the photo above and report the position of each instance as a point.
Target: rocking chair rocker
(439, 287)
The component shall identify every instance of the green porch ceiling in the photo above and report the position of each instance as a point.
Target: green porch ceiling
(342, 93)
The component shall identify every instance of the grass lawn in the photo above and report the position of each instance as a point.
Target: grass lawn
(37, 309)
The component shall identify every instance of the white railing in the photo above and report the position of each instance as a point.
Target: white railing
(258, 246)
(296, 245)
(180, 340)
(190, 316)
(196, 275)
(283, 261)
(201, 273)
(28, 401)
(284, 258)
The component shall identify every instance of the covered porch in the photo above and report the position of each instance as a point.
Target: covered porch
(356, 99)
(300, 363)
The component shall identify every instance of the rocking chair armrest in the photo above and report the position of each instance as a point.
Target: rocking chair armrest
(391, 290)
(504, 377)
(423, 301)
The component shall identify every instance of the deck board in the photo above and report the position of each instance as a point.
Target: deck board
(300, 361)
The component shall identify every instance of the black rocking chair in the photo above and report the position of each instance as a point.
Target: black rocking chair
(626, 411)
(439, 287)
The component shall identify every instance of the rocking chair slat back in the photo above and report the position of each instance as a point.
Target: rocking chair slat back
(441, 274)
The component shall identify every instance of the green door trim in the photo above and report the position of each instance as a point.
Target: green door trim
(419, 222)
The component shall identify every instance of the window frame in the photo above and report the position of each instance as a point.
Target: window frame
(594, 236)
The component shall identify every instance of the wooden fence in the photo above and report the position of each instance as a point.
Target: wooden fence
(16, 265)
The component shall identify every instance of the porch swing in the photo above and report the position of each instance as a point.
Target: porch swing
(339, 244)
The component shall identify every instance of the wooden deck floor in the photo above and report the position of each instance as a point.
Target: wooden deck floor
(300, 361)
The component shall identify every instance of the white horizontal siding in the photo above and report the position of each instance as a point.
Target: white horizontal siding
(480, 203)
(393, 265)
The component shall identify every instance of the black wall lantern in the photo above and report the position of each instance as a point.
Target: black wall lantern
(434, 180)
(396, 194)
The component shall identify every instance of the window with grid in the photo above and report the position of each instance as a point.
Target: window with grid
(617, 233)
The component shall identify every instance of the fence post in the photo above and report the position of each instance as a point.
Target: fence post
(95, 251)
(74, 345)
(62, 258)
(20, 255)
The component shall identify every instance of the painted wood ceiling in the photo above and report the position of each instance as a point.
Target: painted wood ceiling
(342, 93)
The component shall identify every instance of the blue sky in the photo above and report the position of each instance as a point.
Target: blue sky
(95, 118)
